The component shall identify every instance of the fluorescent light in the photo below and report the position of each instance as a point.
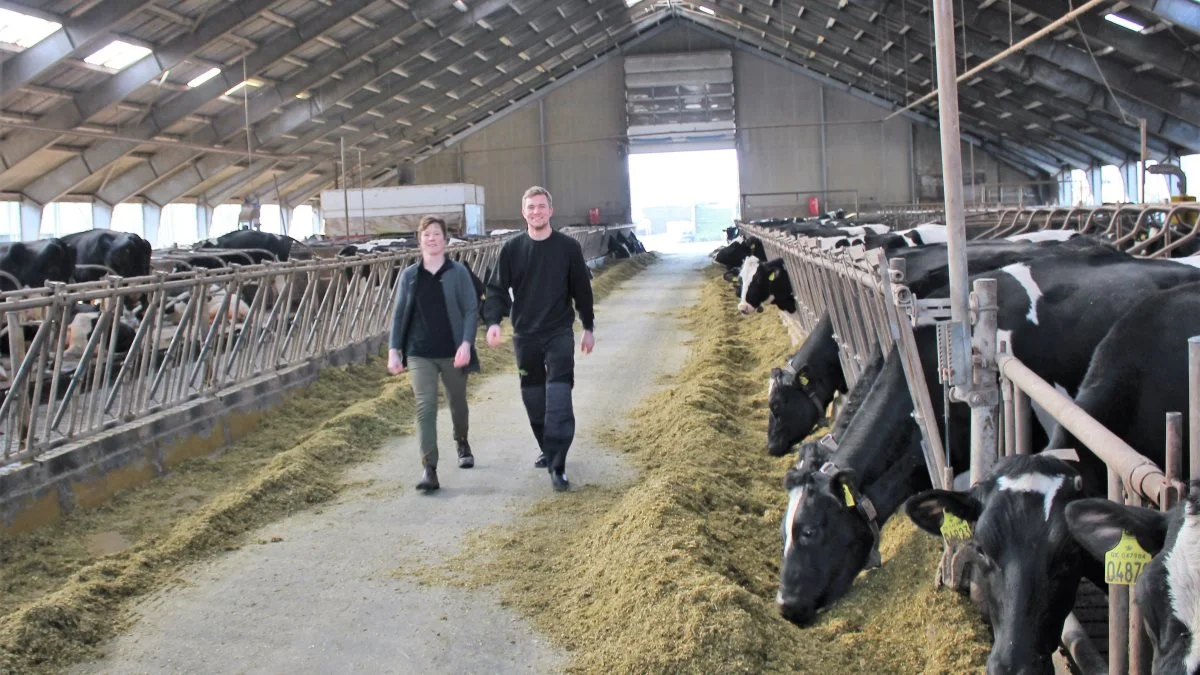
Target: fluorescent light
(24, 31)
(460, 5)
(117, 55)
(251, 82)
(707, 11)
(1124, 23)
(631, 3)
(204, 77)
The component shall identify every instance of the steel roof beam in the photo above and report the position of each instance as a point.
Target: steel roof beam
(1182, 13)
(265, 103)
(644, 30)
(1066, 155)
(112, 91)
(1174, 102)
(333, 122)
(85, 32)
(596, 29)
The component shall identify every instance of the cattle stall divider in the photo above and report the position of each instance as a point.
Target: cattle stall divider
(151, 344)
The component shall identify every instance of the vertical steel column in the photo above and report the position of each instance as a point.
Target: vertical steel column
(984, 390)
(1194, 407)
(1118, 602)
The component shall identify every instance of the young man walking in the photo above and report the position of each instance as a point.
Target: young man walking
(545, 271)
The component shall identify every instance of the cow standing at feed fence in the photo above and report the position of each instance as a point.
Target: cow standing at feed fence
(1055, 309)
(33, 263)
(1020, 565)
(1168, 588)
(792, 416)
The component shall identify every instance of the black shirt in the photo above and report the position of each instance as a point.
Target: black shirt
(430, 335)
(545, 276)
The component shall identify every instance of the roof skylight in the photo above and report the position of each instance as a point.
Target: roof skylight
(23, 30)
(117, 55)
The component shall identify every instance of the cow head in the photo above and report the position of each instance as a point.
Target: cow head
(1021, 561)
(829, 535)
(736, 252)
(746, 277)
(1168, 589)
(795, 407)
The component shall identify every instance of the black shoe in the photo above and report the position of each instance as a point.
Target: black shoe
(465, 459)
(429, 480)
(559, 479)
(541, 462)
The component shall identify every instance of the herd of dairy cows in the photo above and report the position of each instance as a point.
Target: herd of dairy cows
(1108, 328)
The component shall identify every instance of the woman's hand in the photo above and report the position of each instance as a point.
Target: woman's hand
(395, 363)
(463, 356)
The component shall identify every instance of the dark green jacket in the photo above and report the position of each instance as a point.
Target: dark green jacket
(461, 306)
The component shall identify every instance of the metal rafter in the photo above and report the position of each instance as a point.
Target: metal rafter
(643, 30)
(1061, 155)
(85, 32)
(267, 103)
(417, 103)
(412, 82)
(112, 91)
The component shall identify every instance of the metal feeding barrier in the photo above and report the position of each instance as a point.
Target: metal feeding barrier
(872, 311)
(88, 357)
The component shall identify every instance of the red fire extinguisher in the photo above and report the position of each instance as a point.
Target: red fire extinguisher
(814, 208)
(593, 216)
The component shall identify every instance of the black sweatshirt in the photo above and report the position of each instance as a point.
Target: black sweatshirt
(545, 276)
(430, 335)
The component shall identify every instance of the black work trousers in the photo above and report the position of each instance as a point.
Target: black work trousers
(546, 364)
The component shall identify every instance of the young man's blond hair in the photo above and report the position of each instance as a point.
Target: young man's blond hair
(535, 191)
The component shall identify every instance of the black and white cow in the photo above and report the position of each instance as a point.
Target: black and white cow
(1021, 565)
(732, 255)
(126, 254)
(260, 246)
(1053, 310)
(33, 263)
(1137, 374)
(765, 283)
(1168, 589)
(791, 417)
(1044, 235)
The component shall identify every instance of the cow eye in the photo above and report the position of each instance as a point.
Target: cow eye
(808, 532)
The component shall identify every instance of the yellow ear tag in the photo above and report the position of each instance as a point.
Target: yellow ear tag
(772, 276)
(954, 528)
(849, 497)
(1124, 563)
(803, 381)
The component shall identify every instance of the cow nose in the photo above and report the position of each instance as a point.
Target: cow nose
(745, 308)
(798, 612)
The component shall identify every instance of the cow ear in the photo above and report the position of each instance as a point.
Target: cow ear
(927, 509)
(1097, 524)
(18, 252)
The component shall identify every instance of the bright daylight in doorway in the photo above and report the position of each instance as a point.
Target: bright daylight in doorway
(683, 197)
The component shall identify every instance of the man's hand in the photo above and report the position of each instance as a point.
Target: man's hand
(463, 356)
(493, 335)
(588, 343)
(395, 363)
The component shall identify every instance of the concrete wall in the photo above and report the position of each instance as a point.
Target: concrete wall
(927, 160)
(779, 115)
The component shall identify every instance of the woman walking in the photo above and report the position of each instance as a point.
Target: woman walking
(433, 334)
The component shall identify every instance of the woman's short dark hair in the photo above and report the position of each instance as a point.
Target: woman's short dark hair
(426, 221)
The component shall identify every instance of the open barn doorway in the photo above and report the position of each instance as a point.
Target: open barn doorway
(684, 199)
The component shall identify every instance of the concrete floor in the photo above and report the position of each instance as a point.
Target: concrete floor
(324, 599)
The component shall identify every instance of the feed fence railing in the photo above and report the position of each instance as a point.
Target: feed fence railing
(79, 359)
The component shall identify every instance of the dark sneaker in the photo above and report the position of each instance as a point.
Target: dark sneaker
(541, 462)
(429, 480)
(559, 479)
(465, 459)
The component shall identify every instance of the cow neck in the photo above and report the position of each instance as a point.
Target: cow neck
(821, 356)
(880, 436)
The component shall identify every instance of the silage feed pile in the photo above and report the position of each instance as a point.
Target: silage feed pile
(65, 589)
(678, 571)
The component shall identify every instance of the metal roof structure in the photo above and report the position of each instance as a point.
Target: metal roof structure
(402, 80)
